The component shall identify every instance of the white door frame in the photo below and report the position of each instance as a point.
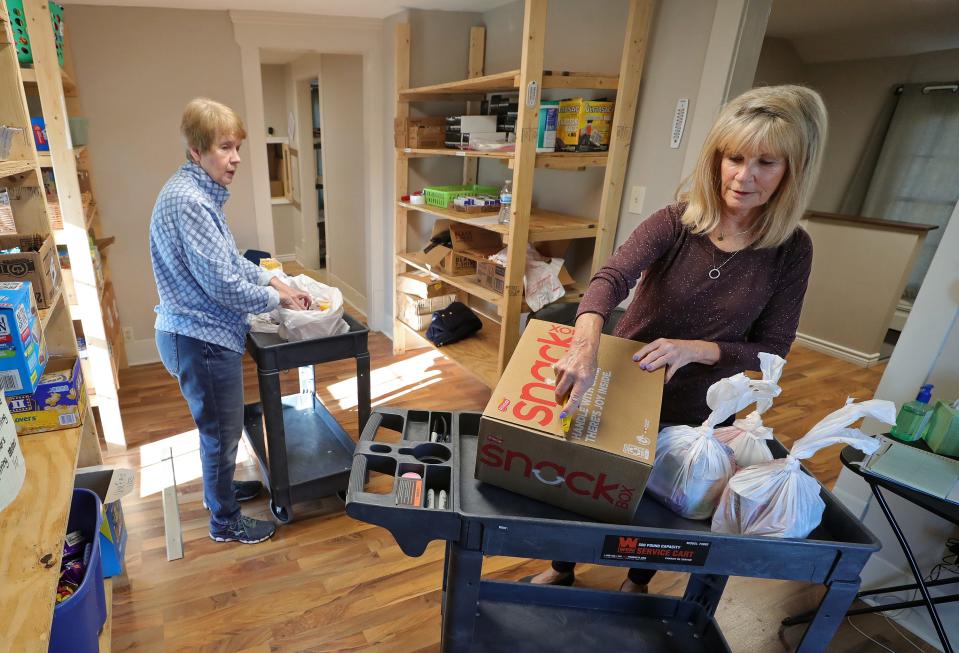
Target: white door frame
(256, 30)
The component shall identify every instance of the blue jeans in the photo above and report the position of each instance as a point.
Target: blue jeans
(211, 380)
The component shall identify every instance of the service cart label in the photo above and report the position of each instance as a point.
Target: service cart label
(647, 549)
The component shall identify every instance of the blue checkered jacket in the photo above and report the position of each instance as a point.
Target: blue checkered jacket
(207, 289)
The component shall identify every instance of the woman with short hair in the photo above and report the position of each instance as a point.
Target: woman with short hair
(207, 291)
(722, 273)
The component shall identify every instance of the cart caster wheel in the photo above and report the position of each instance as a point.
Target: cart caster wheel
(342, 495)
(283, 515)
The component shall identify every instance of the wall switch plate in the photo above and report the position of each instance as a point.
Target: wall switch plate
(128, 333)
(636, 196)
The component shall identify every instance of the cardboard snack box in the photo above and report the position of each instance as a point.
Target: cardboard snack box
(418, 313)
(23, 351)
(58, 402)
(600, 467)
(36, 263)
(421, 284)
(419, 132)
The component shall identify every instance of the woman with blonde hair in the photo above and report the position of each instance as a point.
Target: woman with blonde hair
(207, 291)
(722, 272)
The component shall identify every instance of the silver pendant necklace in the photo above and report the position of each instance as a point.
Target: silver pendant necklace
(722, 235)
(714, 271)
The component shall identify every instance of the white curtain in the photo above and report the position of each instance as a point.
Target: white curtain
(916, 178)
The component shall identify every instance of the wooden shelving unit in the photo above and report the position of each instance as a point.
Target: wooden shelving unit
(33, 526)
(59, 99)
(486, 354)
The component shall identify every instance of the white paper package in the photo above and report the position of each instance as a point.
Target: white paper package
(778, 498)
(747, 436)
(692, 467)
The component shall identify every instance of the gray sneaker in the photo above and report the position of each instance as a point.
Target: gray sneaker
(243, 529)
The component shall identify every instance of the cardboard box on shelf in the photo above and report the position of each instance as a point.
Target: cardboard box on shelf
(492, 275)
(110, 484)
(600, 466)
(421, 284)
(36, 263)
(468, 245)
(419, 133)
(584, 125)
(417, 312)
(23, 351)
(58, 402)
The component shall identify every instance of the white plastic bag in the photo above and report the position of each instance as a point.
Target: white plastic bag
(264, 323)
(747, 436)
(778, 498)
(692, 467)
(324, 317)
(541, 284)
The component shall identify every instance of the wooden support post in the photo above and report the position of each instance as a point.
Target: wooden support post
(630, 74)
(524, 163)
(401, 183)
(476, 58)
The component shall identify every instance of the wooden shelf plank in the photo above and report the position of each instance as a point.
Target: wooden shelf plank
(47, 313)
(476, 354)
(544, 225)
(506, 82)
(552, 160)
(29, 76)
(465, 283)
(10, 168)
(32, 530)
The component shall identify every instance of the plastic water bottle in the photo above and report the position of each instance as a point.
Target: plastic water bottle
(505, 200)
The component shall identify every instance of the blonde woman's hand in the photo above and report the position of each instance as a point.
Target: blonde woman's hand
(576, 370)
(674, 354)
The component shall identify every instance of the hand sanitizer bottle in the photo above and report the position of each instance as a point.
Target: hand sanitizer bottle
(913, 417)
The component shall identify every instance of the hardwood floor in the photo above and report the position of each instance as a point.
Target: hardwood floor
(329, 583)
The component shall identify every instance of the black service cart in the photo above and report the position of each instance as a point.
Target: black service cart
(480, 519)
(304, 453)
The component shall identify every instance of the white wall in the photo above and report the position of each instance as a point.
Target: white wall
(344, 174)
(136, 69)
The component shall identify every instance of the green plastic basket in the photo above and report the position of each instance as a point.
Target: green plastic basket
(443, 196)
(18, 21)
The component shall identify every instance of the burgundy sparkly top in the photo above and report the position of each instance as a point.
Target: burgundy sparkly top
(752, 306)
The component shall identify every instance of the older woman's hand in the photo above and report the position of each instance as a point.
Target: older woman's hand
(290, 297)
(674, 354)
(576, 370)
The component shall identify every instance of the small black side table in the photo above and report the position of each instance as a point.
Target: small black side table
(852, 459)
(304, 453)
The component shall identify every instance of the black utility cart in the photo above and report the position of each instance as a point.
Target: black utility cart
(304, 454)
(479, 519)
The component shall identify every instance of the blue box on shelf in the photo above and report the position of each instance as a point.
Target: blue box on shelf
(23, 351)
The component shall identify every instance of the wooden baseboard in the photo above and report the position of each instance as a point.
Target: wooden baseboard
(839, 351)
(285, 258)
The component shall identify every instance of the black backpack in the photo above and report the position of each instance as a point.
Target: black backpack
(453, 323)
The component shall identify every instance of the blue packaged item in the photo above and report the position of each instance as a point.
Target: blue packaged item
(78, 618)
(110, 485)
(23, 351)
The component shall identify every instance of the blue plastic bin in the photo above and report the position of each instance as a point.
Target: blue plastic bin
(78, 620)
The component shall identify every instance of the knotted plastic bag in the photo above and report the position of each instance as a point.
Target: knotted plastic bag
(778, 498)
(747, 436)
(692, 467)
